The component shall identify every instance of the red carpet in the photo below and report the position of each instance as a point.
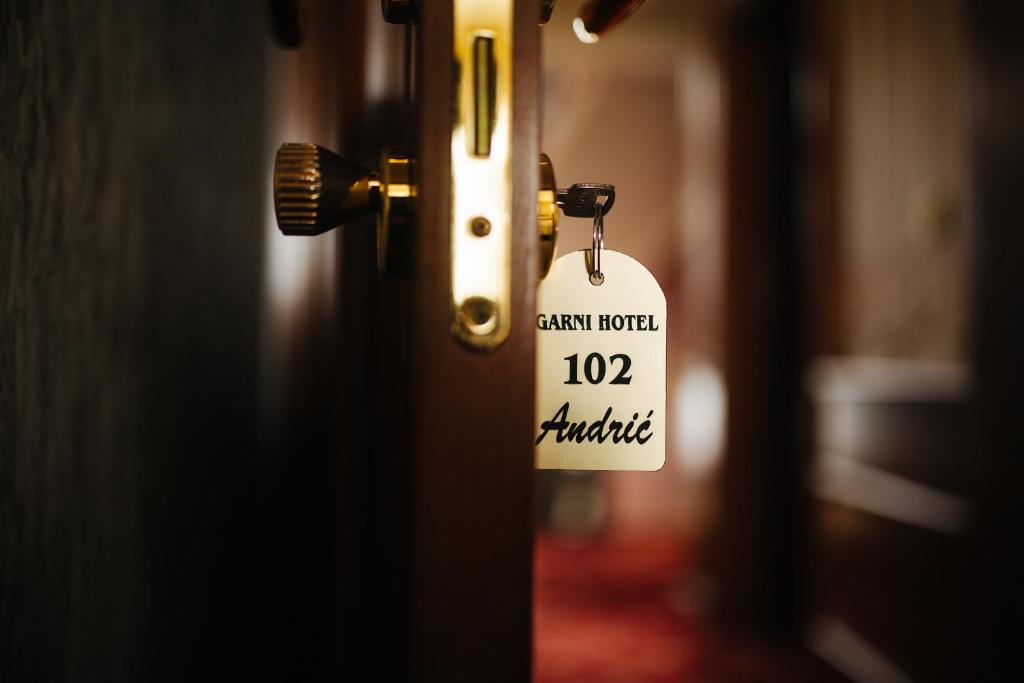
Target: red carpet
(619, 613)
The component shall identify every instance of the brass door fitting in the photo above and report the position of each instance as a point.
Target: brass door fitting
(316, 190)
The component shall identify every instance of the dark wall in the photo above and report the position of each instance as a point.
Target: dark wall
(137, 510)
(994, 597)
(756, 546)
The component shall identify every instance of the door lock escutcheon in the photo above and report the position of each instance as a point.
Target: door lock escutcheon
(316, 190)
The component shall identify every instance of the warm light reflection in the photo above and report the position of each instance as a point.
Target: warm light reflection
(292, 263)
(700, 403)
(584, 36)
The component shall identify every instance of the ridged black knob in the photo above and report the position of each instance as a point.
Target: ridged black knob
(316, 190)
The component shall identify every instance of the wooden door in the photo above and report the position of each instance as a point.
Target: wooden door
(433, 552)
(471, 423)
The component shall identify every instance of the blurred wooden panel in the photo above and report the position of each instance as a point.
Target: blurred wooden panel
(891, 485)
(894, 588)
(906, 417)
(899, 94)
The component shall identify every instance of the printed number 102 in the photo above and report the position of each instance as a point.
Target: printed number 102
(595, 368)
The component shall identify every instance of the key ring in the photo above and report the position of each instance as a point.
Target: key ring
(597, 277)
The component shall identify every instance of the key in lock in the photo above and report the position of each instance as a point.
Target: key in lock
(582, 199)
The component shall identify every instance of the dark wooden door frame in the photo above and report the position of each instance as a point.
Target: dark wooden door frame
(992, 596)
(472, 414)
(434, 481)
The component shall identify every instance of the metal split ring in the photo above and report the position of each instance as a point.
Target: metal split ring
(596, 276)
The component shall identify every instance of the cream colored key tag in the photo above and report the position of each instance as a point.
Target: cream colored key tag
(600, 364)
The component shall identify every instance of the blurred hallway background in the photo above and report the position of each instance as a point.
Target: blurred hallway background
(805, 180)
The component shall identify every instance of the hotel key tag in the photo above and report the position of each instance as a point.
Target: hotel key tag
(600, 358)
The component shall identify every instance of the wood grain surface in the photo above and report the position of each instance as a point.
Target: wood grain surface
(133, 506)
(472, 414)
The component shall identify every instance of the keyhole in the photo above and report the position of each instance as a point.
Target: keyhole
(478, 315)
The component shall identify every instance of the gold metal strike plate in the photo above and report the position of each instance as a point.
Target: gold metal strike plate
(481, 174)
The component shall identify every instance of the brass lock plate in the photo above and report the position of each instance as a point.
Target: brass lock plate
(481, 174)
